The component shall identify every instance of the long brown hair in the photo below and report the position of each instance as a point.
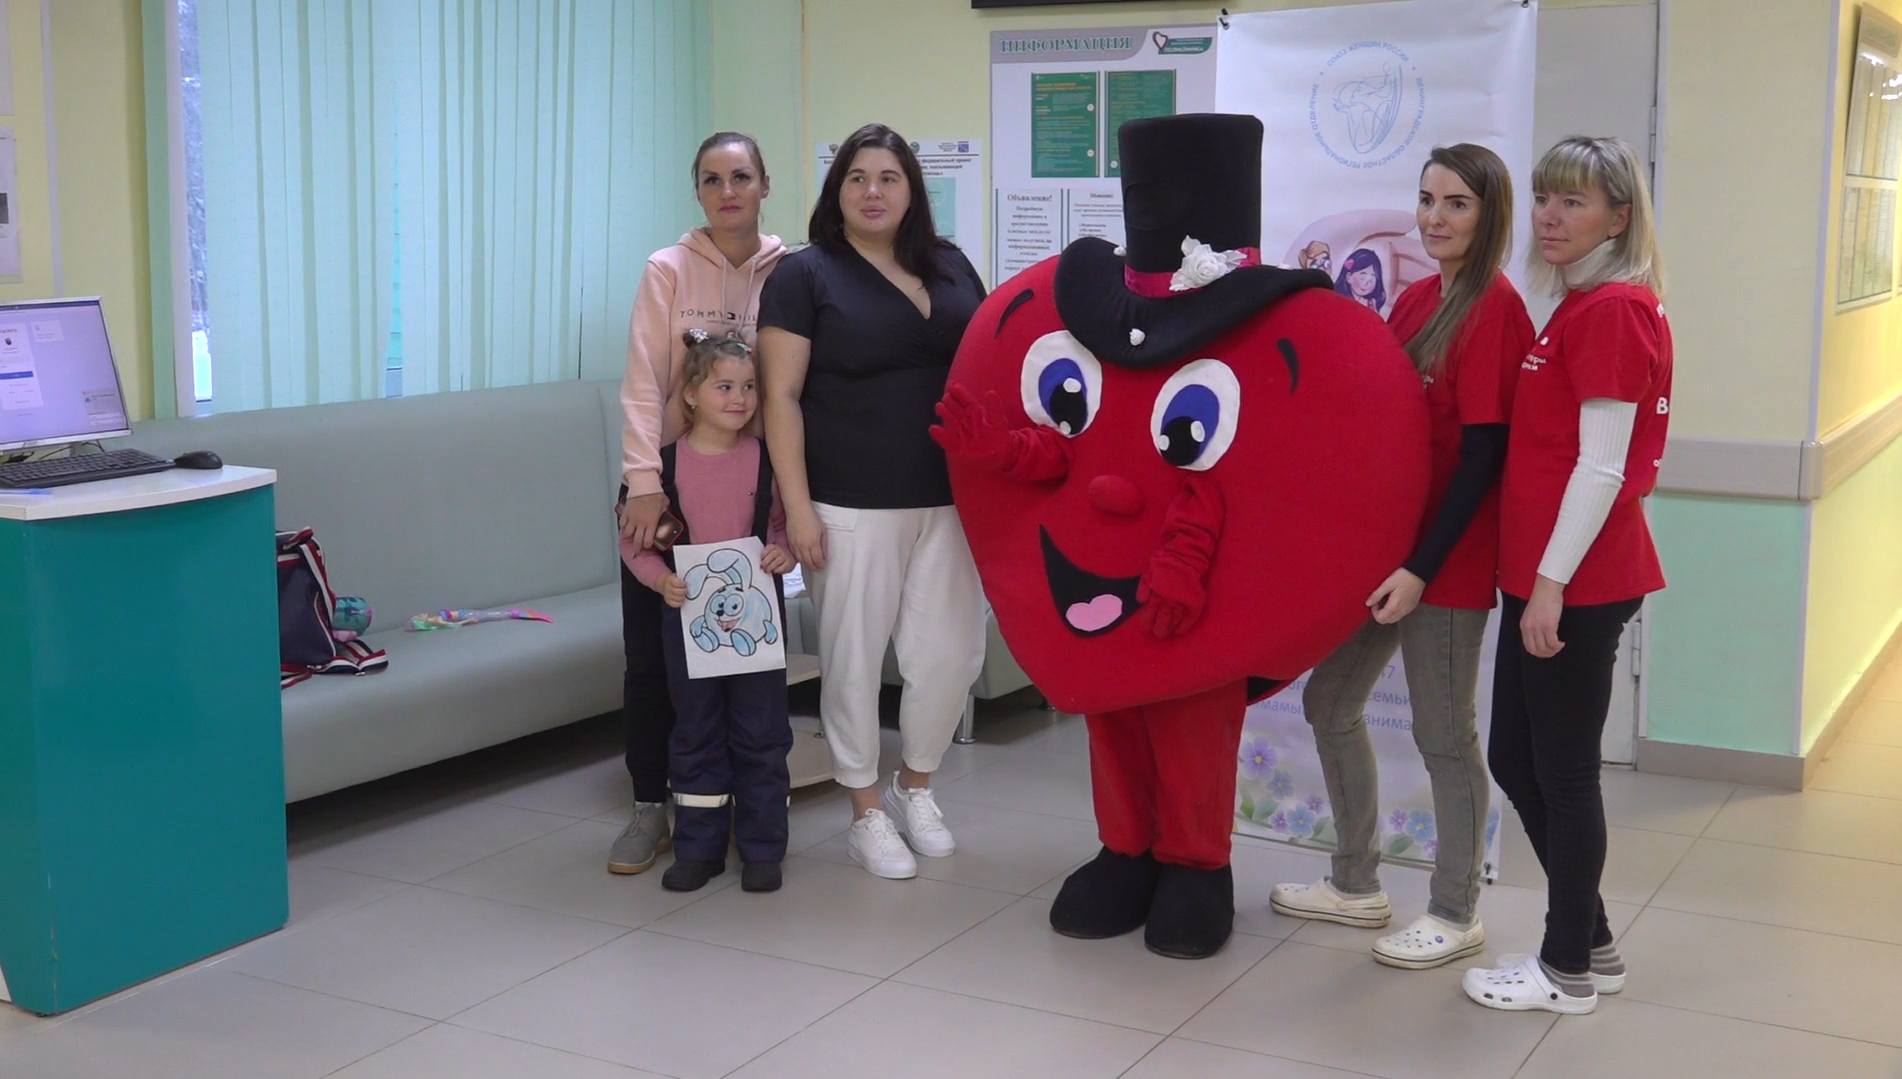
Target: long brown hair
(1485, 175)
(917, 246)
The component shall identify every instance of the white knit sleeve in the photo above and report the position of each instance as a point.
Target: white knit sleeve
(1604, 439)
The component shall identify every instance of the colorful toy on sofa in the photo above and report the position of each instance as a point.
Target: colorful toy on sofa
(457, 618)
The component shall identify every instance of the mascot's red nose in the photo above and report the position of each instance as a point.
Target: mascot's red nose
(1116, 496)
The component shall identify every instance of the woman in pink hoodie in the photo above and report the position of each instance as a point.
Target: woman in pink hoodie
(710, 280)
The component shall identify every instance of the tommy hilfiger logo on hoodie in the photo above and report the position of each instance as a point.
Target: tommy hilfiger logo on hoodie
(723, 316)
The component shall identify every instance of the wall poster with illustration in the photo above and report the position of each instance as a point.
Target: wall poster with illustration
(731, 620)
(1352, 99)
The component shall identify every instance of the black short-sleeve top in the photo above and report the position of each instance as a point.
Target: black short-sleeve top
(876, 372)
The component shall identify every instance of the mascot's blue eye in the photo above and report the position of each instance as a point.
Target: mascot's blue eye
(1062, 383)
(1196, 415)
(1064, 397)
(1190, 419)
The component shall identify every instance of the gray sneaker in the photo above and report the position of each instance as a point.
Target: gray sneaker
(643, 841)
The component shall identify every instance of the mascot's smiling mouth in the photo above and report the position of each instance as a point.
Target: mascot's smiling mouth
(1090, 605)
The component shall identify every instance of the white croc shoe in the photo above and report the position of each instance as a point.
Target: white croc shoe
(1321, 903)
(1609, 984)
(1523, 987)
(915, 812)
(1428, 943)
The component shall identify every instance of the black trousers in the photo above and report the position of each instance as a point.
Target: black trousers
(728, 762)
(645, 704)
(1548, 723)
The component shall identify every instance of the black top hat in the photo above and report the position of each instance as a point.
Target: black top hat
(1194, 178)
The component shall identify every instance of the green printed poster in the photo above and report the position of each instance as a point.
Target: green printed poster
(1134, 95)
(942, 191)
(1063, 125)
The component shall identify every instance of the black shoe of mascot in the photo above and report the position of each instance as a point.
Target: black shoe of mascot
(1109, 896)
(1193, 912)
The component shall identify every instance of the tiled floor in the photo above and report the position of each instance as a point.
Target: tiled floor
(458, 922)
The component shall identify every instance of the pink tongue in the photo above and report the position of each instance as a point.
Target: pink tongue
(1094, 615)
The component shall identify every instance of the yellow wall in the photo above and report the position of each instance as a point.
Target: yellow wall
(756, 90)
(1742, 187)
(1855, 586)
(29, 133)
(1855, 574)
(99, 108)
(98, 101)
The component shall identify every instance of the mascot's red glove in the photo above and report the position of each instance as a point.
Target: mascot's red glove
(975, 431)
(1175, 587)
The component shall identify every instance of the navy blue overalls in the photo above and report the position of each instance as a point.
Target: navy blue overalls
(727, 761)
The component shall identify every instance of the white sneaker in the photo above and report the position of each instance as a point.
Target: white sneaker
(1321, 903)
(876, 845)
(1523, 987)
(1429, 942)
(919, 820)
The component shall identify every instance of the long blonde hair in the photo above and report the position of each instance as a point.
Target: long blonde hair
(1485, 175)
(1581, 163)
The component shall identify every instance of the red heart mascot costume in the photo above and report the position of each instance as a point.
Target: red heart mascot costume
(1182, 473)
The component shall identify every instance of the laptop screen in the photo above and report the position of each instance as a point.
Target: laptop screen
(58, 383)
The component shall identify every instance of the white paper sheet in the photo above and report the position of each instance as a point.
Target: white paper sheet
(731, 621)
(9, 208)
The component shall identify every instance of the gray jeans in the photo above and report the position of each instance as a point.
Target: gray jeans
(1440, 647)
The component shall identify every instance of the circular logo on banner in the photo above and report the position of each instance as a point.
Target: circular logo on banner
(1368, 104)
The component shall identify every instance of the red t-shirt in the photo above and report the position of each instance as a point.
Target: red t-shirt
(1611, 342)
(1474, 385)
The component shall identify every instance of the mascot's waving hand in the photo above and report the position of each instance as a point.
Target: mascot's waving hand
(1181, 472)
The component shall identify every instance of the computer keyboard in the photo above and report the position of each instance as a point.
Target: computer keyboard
(60, 471)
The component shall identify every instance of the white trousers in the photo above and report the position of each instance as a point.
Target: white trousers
(903, 578)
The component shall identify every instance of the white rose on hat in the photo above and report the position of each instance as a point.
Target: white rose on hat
(1202, 264)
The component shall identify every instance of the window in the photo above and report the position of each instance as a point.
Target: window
(384, 198)
(194, 135)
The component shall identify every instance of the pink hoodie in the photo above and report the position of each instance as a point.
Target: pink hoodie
(688, 285)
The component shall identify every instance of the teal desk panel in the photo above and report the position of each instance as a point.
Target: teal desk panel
(141, 745)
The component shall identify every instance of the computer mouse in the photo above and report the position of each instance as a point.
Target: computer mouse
(198, 459)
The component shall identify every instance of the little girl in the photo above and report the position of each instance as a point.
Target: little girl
(727, 760)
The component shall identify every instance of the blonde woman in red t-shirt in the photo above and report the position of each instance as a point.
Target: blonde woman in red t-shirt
(1575, 556)
(1467, 331)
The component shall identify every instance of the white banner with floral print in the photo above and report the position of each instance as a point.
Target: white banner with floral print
(1281, 795)
(1352, 98)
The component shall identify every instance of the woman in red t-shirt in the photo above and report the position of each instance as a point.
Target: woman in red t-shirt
(1467, 331)
(1575, 555)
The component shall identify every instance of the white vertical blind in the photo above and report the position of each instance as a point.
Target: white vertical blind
(520, 158)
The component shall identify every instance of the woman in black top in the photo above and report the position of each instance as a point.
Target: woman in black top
(857, 333)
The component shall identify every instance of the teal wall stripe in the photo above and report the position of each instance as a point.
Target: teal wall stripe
(1726, 638)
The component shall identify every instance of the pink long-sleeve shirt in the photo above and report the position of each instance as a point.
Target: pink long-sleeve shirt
(689, 285)
(716, 500)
